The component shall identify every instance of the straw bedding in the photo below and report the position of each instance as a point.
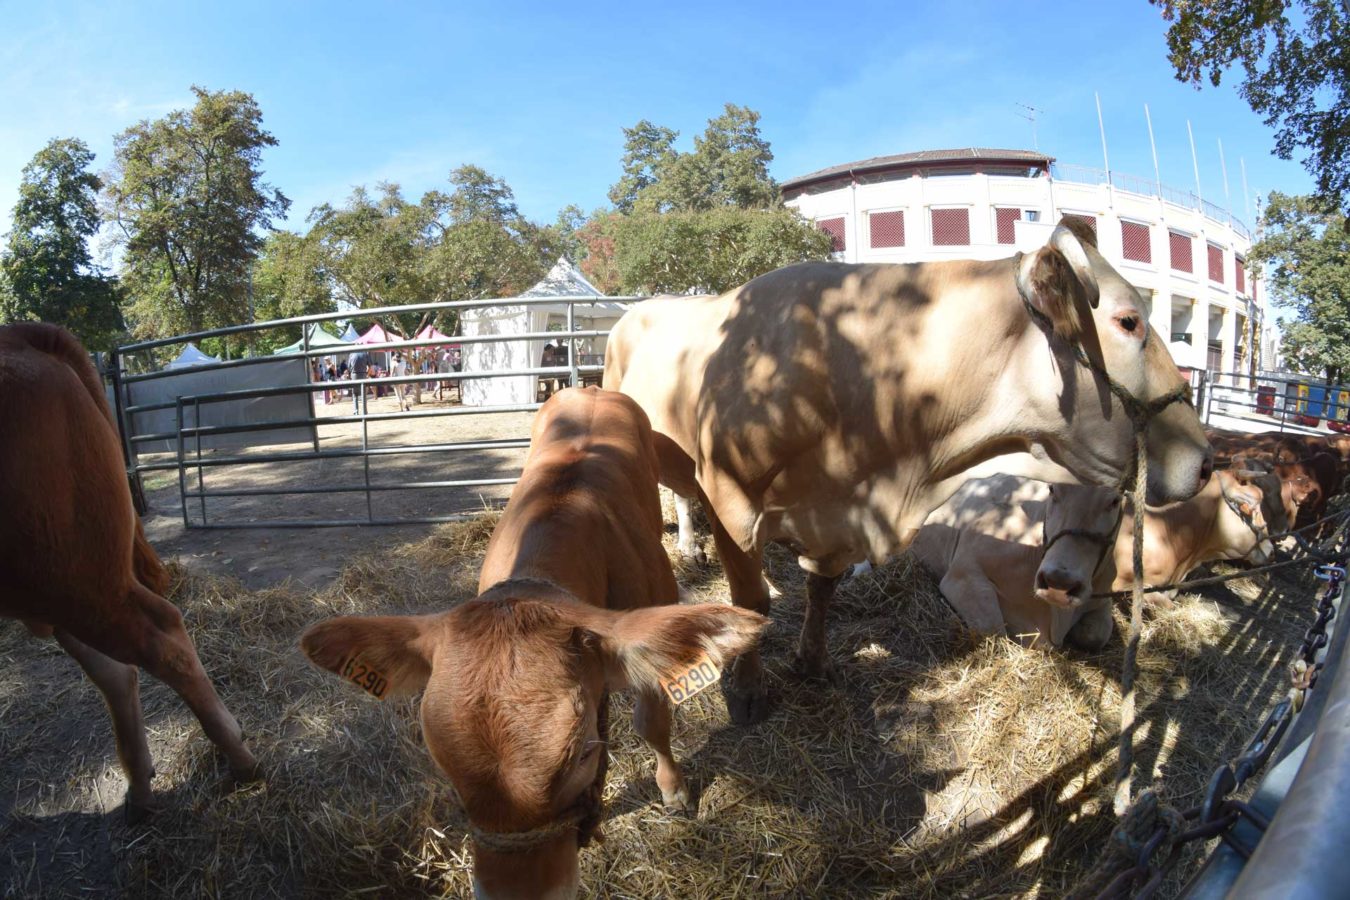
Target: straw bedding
(940, 766)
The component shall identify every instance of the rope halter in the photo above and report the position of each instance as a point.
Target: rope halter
(1139, 412)
(1235, 505)
(1105, 540)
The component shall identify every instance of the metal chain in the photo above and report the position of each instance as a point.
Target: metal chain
(1219, 811)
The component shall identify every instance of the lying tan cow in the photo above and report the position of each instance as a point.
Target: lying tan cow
(1223, 521)
(572, 605)
(832, 406)
(1024, 558)
(74, 562)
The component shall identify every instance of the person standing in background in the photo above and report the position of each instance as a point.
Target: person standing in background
(399, 370)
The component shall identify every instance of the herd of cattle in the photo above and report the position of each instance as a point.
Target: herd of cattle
(848, 411)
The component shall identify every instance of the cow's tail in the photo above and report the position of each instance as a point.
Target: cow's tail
(59, 343)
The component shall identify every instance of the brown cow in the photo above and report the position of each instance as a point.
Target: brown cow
(1223, 521)
(830, 406)
(573, 604)
(74, 562)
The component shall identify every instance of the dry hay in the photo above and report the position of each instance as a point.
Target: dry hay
(942, 766)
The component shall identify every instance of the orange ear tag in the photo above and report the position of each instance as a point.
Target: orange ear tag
(701, 674)
(367, 679)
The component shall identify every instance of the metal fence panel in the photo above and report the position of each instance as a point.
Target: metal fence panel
(161, 393)
(254, 442)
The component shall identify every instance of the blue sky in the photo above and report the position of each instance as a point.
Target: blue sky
(537, 93)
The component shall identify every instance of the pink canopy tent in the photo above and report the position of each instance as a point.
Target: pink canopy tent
(432, 333)
(376, 335)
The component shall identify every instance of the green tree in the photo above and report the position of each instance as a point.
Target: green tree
(47, 271)
(729, 166)
(1296, 68)
(188, 197)
(647, 150)
(383, 250)
(706, 252)
(288, 280)
(1304, 253)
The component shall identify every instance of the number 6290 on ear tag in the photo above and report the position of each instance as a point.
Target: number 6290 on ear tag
(367, 679)
(700, 674)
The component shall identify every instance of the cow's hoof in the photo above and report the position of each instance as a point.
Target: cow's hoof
(747, 709)
(248, 773)
(819, 668)
(695, 554)
(138, 813)
(679, 801)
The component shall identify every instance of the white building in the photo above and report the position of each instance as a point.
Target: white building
(1186, 256)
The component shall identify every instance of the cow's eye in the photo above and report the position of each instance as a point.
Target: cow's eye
(1128, 324)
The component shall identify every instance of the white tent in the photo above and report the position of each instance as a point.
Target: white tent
(191, 356)
(563, 280)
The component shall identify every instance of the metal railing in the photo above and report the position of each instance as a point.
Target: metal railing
(322, 457)
(1148, 187)
(1281, 403)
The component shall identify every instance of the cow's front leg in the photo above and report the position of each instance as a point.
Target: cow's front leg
(651, 720)
(813, 656)
(747, 699)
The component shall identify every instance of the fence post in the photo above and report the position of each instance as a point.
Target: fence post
(114, 373)
(572, 345)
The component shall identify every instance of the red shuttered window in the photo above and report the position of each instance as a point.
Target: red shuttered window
(835, 229)
(1134, 239)
(1215, 263)
(888, 228)
(1241, 268)
(1180, 249)
(951, 227)
(1005, 220)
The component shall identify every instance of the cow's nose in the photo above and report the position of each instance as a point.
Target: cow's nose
(1058, 587)
(1207, 467)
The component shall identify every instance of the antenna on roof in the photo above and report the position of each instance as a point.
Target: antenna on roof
(1030, 116)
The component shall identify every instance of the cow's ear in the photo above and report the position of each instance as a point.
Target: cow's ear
(1058, 280)
(644, 648)
(382, 655)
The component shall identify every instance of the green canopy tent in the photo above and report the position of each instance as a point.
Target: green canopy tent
(317, 338)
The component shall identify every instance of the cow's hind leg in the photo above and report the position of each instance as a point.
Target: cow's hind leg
(747, 699)
(813, 656)
(167, 653)
(651, 720)
(119, 684)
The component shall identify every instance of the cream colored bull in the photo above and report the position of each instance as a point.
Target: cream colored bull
(832, 406)
(1025, 558)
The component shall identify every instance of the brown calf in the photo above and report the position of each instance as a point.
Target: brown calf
(575, 601)
(74, 562)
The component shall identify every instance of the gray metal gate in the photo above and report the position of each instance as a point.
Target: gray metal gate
(250, 446)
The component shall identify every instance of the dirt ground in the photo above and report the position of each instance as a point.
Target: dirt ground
(312, 557)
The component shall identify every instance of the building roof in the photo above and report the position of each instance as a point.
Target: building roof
(920, 158)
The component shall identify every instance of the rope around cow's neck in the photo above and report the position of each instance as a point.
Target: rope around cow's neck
(1140, 412)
